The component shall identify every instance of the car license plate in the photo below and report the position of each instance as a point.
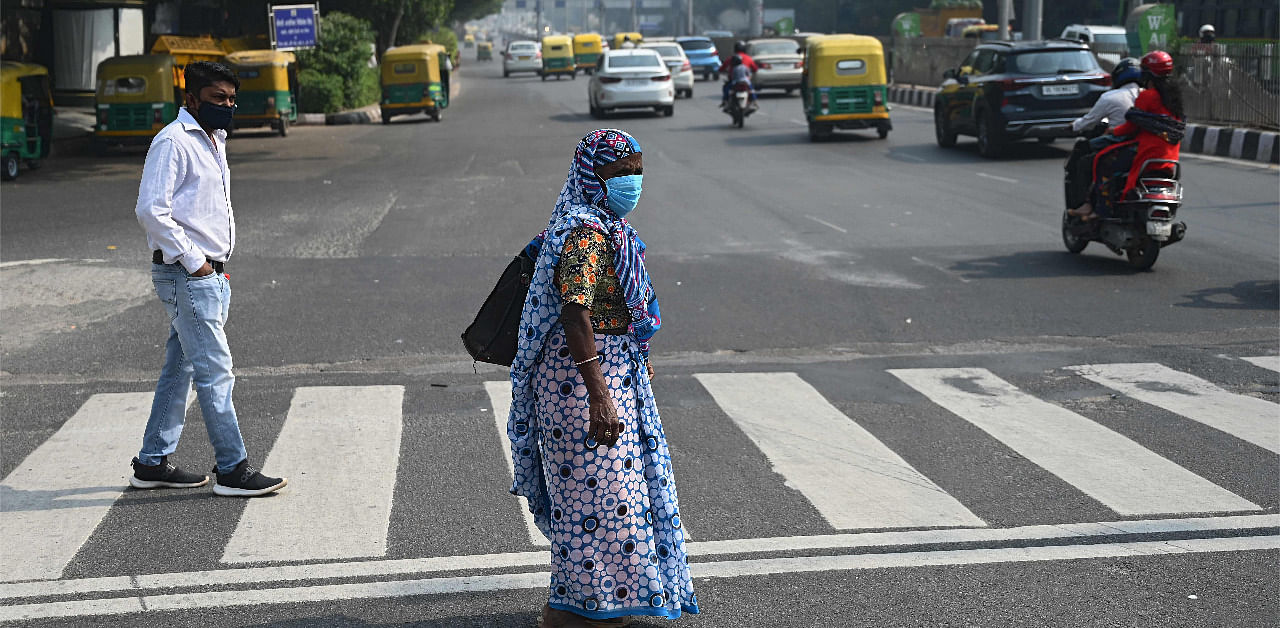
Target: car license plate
(524, 58)
(1059, 90)
(1159, 229)
(636, 82)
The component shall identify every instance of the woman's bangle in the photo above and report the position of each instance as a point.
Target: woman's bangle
(587, 361)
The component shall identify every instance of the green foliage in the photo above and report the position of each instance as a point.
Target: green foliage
(466, 10)
(397, 22)
(445, 37)
(318, 92)
(343, 52)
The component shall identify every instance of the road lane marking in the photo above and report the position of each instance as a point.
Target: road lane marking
(852, 478)
(49, 260)
(52, 502)
(417, 566)
(701, 570)
(1247, 418)
(1107, 466)
(826, 224)
(908, 157)
(1271, 362)
(940, 268)
(500, 398)
(340, 447)
(997, 177)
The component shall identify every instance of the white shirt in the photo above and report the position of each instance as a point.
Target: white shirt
(184, 200)
(1111, 106)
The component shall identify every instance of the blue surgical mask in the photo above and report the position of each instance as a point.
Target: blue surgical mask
(623, 193)
(215, 116)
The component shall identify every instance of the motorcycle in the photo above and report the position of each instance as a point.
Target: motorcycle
(740, 104)
(1141, 223)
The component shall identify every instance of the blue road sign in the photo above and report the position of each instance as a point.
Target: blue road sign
(294, 26)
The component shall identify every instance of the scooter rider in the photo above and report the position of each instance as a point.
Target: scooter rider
(1111, 107)
(738, 73)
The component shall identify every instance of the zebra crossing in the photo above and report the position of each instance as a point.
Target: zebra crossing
(55, 499)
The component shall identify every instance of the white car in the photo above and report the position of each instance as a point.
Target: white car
(1109, 43)
(522, 56)
(631, 78)
(677, 61)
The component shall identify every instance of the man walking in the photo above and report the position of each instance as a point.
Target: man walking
(184, 204)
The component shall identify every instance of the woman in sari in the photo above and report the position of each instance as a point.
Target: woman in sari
(586, 437)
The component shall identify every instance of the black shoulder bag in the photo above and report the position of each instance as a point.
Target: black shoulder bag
(492, 336)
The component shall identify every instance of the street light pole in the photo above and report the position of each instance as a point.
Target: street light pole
(688, 20)
(1005, 12)
(635, 18)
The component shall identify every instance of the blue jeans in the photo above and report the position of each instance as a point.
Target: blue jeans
(197, 349)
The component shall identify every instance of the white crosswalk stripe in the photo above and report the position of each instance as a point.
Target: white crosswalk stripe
(340, 446)
(1111, 468)
(852, 478)
(500, 397)
(1271, 362)
(1247, 418)
(50, 504)
(54, 500)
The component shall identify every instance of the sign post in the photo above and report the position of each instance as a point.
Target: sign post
(294, 26)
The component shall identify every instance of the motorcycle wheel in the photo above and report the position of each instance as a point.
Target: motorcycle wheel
(1143, 256)
(737, 118)
(1074, 243)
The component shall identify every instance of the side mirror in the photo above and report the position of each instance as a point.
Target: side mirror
(799, 51)
(949, 73)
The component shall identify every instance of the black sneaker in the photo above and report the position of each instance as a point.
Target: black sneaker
(246, 481)
(164, 475)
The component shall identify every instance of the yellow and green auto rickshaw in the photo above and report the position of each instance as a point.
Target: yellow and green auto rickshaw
(137, 95)
(587, 48)
(844, 85)
(557, 57)
(268, 89)
(26, 111)
(484, 51)
(414, 79)
(619, 38)
(468, 41)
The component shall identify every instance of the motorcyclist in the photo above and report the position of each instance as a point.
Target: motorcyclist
(738, 73)
(1156, 124)
(1111, 107)
(739, 50)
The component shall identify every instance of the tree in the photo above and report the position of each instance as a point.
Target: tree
(467, 10)
(397, 22)
(343, 51)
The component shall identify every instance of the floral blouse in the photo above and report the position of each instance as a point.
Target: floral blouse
(586, 277)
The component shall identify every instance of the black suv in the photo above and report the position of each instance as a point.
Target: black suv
(1011, 90)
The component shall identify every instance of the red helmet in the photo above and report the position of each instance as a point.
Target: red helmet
(1158, 63)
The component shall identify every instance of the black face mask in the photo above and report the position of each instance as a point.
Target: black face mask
(215, 116)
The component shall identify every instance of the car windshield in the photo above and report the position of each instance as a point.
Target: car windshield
(697, 44)
(1117, 39)
(635, 61)
(773, 48)
(667, 51)
(1045, 62)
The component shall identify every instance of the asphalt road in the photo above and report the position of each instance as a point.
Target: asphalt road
(364, 251)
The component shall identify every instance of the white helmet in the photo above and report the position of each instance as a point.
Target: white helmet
(1207, 28)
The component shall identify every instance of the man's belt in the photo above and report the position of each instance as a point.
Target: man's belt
(158, 258)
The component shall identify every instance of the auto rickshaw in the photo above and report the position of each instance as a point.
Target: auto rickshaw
(484, 51)
(137, 95)
(557, 57)
(587, 49)
(468, 41)
(618, 38)
(26, 113)
(413, 80)
(268, 89)
(844, 85)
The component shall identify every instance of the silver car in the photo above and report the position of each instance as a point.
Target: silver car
(522, 56)
(681, 71)
(631, 78)
(780, 63)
